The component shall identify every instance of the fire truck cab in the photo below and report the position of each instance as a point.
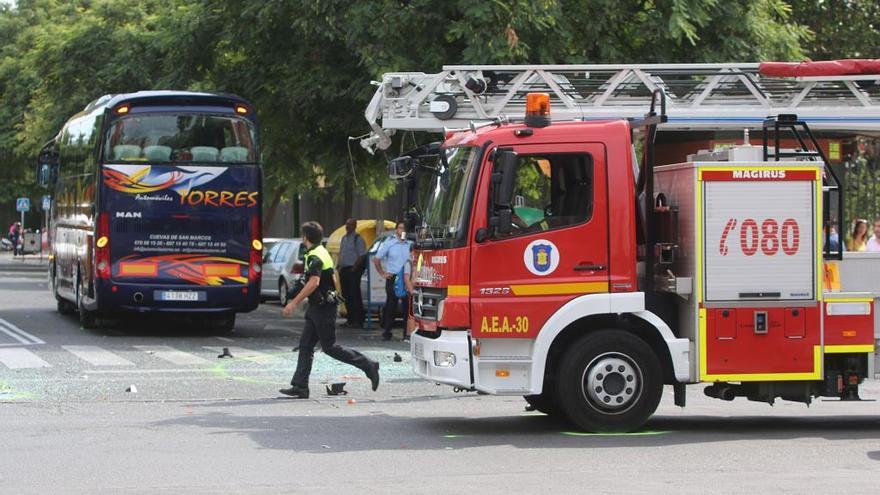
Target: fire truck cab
(552, 262)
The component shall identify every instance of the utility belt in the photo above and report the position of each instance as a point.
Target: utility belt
(321, 298)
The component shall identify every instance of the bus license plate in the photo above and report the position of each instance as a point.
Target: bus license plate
(180, 295)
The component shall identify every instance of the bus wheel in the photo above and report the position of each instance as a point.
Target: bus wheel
(224, 324)
(282, 292)
(87, 319)
(609, 381)
(63, 306)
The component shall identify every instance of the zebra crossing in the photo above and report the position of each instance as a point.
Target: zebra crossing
(127, 357)
(19, 336)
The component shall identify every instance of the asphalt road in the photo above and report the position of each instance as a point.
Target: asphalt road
(198, 424)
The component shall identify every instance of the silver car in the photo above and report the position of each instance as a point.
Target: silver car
(281, 262)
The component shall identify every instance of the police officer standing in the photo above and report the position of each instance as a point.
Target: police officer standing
(320, 317)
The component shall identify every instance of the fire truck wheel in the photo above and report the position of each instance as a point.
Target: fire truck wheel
(610, 381)
(543, 402)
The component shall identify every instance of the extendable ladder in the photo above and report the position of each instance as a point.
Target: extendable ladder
(698, 96)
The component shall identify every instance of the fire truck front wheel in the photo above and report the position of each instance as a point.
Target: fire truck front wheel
(543, 402)
(609, 381)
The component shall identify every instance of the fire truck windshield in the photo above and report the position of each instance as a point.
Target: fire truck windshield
(443, 196)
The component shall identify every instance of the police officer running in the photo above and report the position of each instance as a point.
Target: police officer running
(320, 317)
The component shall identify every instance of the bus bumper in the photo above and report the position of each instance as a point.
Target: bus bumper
(146, 298)
(445, 359)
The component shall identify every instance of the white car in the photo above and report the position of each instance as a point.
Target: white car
(283, 259)
(372, 285)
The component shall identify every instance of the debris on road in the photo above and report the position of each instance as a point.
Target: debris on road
(132, 389)
(336, 389)
(225, 354)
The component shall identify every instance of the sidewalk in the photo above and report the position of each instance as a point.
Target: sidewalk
(26, 263)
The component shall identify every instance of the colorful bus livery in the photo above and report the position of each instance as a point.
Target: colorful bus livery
(158, 207)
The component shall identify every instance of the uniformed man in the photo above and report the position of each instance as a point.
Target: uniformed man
(320, 317)
(391, 262)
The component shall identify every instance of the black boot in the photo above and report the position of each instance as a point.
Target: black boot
(296, 392)
(373, 374)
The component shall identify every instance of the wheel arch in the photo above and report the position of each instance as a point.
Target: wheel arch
(624, 312)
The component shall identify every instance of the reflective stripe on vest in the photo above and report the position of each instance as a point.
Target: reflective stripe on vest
(322, 254)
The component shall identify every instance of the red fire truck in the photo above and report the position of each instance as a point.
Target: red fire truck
(556, 260)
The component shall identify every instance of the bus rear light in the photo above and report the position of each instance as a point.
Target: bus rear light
(137, 269)
(256, 258)
(102, 247)
(221, 270)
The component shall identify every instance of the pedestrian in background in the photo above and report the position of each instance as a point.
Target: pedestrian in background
(320, 324)
(352, 250)
(15, 237)
(858, 239)
(391, 261)
(873, 243)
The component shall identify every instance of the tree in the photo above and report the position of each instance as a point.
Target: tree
(306, 65)
(840, 28)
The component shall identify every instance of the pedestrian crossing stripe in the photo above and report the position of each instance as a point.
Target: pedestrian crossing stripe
(22, 337)
(172, 355)
(96, 356)
(19, 357)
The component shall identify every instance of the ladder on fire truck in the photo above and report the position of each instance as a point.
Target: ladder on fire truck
(698, 96)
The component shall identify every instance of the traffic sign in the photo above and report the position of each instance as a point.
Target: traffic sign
(46, 203)
(23, 204)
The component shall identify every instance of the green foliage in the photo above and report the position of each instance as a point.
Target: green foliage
(841, 28)
(306, 64)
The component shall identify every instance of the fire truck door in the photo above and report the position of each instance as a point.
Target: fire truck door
(558, 247)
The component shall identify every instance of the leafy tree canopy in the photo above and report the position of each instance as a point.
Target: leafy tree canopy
(307, 64)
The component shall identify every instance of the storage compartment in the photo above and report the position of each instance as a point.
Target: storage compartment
(795, 323)
(725, 324)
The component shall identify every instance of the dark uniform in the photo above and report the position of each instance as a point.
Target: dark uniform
(321, 324)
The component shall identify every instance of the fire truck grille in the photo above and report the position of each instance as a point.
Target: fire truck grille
(426, 302)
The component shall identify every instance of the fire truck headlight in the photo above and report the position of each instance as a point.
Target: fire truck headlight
(444, 359)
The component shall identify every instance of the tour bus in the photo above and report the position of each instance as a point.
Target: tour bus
(156, 207)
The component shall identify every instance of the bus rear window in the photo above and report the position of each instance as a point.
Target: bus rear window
(190, 138)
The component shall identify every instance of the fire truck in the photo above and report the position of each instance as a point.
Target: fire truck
(586, 234)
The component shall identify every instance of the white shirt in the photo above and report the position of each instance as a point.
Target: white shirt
(873, 244)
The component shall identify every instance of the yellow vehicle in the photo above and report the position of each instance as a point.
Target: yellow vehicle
(369, 230)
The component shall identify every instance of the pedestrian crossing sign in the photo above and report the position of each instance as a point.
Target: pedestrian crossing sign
(23, 204)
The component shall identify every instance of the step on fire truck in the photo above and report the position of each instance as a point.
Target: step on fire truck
(552, 262)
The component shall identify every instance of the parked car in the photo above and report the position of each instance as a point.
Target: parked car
(281, 262)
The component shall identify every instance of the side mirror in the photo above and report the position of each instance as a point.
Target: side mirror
(503, 182)
(400, 168)
(504, 178)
